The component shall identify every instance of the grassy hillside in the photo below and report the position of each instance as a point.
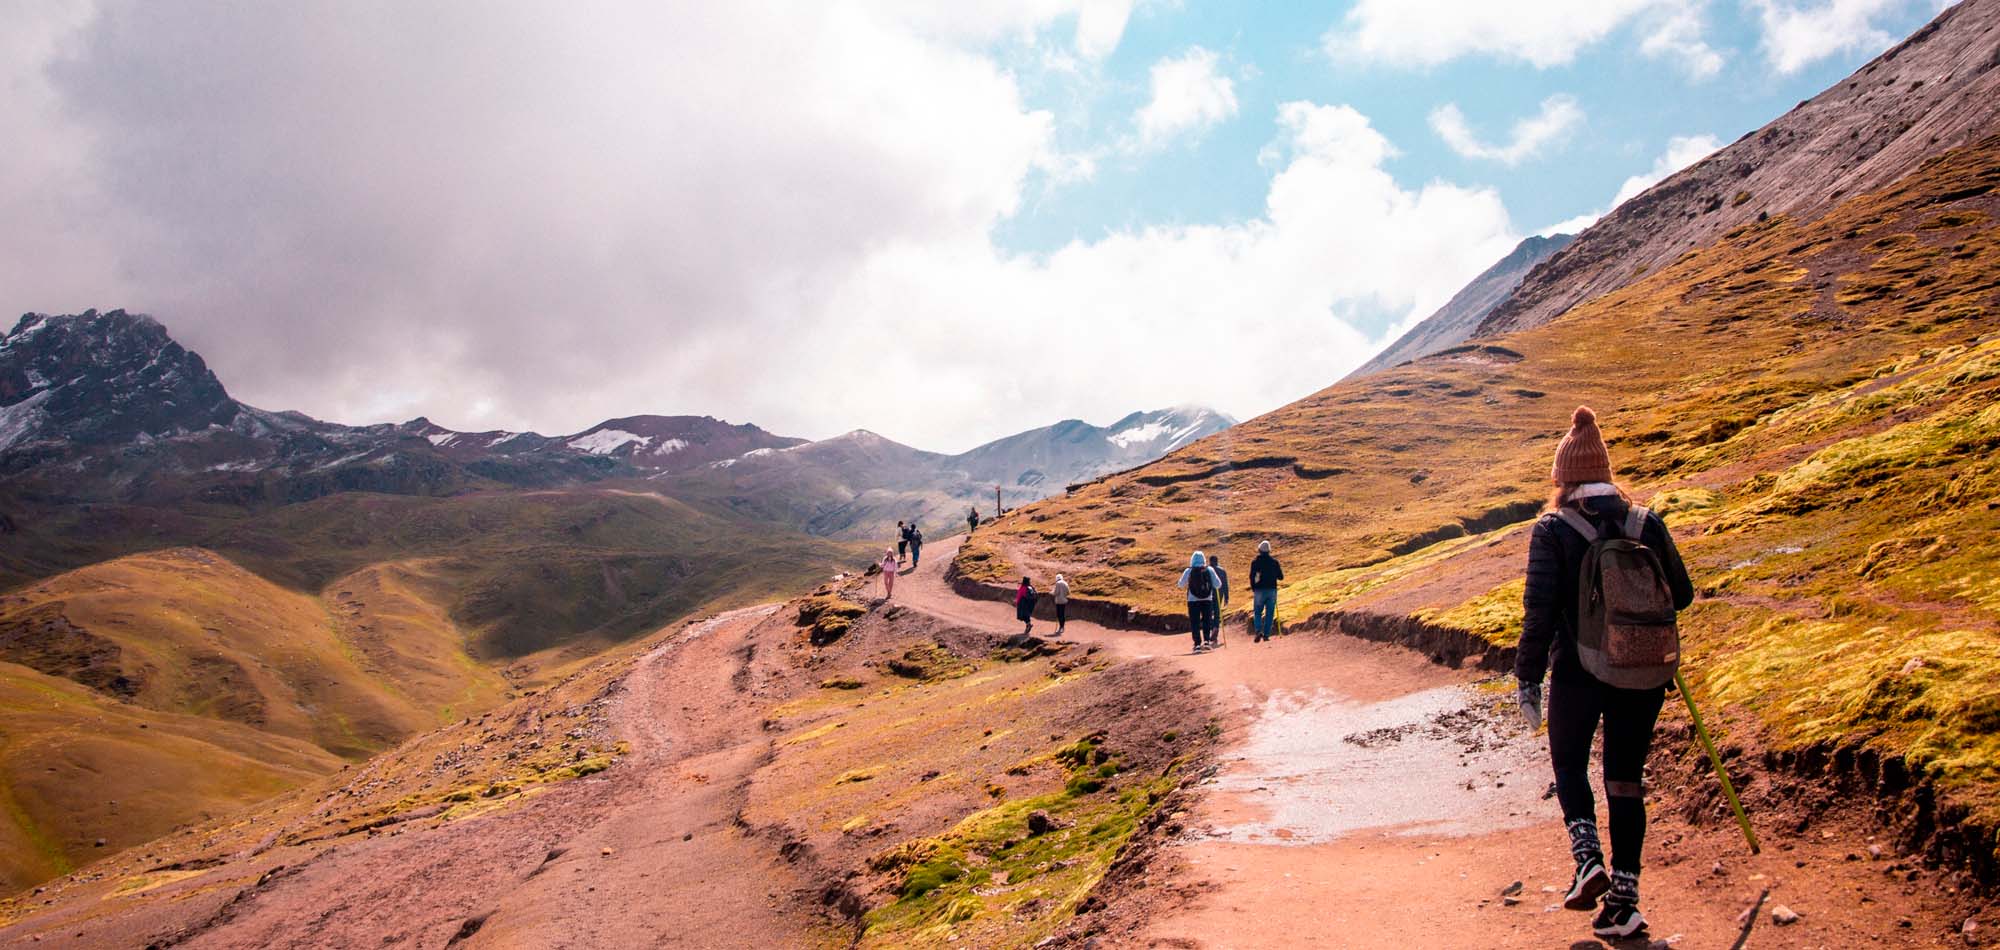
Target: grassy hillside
(1812, 403)
(293, 639)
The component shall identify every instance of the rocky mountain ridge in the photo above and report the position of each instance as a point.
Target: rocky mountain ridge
(1936, 90)
(1459, 318)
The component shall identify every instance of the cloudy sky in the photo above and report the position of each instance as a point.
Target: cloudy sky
(941, 221)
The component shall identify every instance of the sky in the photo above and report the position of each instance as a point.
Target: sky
(941, 222)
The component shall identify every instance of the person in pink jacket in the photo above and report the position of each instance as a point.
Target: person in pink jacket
(888, 573)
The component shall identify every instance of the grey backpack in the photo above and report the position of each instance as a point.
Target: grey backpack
(1626, 631)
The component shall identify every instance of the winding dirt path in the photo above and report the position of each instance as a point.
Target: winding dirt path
(1367, 798)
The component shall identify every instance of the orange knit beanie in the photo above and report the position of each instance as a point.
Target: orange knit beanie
(1582, 456)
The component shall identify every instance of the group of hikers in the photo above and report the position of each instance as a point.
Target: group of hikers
(1207, 586)
(1604, 585)
(909, 541)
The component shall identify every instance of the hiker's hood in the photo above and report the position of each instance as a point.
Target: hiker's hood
(1198, 560)
(1263, 547)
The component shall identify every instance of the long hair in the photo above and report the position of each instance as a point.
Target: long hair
(1560, 496)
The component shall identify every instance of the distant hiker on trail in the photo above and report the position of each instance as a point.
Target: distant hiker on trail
(1583, 545)
(1202, 586)
(916, 546)
(902, 540)
(888, 573)
(1060, 591)
(1264, 577)
(1024, 605)
(971, 520)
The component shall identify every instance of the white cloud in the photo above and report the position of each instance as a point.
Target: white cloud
(1682, 151)
(1676, 34)
(1189, 95)
(1796, 35)
(771, 212)
(1559, 116)
(1429, 32)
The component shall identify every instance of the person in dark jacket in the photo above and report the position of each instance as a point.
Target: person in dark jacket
(916, 546)
(1202, 586)
(902, 541)
(1024, 605)
(1578, 702)
(1221, 600)
(1264, 577)
(971, 520)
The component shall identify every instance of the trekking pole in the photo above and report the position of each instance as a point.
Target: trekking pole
(1728, 790)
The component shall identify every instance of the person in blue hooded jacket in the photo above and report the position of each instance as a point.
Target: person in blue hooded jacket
(1203, 587)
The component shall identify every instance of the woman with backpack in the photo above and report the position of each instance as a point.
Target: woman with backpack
(1595, 555)
(1024, 605)
(1202, 586)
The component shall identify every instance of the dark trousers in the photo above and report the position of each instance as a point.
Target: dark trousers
(916, 553)
(1062, 613)
(1202, 620)
(1628, 715)
(902, 548)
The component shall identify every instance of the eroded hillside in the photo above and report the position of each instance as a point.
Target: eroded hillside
(833, 771)
(1812, 404)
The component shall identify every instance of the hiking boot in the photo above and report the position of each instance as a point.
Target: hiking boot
(1618, 921)
(1592, 882)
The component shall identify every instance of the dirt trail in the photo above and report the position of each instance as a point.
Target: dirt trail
(1368, 798)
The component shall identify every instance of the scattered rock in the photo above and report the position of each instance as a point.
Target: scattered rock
(1039, 822)
(1784, 916)
(100, 842)
(1971, 925)
(1511, 889)
(1510, 900)
(688, 836)
(605, 852)
(1874, 851)
(1718, 869)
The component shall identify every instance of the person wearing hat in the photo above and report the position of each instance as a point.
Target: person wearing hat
(1578, 702)
(1264, 577)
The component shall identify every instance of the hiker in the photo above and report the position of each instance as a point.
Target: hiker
(1264, 577)
(1024, 605)
(971, 520)
(1060, 591)
(1201, 585)
(1221, 599)
(916, 546)
(1585, 508)
(888, 573)
(902, 541)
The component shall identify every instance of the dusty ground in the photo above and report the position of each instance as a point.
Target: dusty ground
(1356, 796)
(1368, 798)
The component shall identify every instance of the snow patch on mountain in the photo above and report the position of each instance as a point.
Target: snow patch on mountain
(607, 441)
(21, 419)
(670, 446)
(1138, 435)
(442, 439)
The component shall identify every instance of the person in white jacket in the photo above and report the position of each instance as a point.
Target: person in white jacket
(1060, 593)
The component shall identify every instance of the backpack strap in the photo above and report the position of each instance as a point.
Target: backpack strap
(1635, 523)
(1576, 520)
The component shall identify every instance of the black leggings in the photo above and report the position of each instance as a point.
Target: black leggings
(1628, 716)
(1062, 614)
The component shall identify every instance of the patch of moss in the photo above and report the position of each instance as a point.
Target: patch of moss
(829, 617)
(930, 662)
(992, 881)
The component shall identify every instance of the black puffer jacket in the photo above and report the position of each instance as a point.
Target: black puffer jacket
(1555, 555)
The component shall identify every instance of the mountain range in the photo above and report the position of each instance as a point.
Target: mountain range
(1459, 318)
(1793, 347)
(275, 595)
